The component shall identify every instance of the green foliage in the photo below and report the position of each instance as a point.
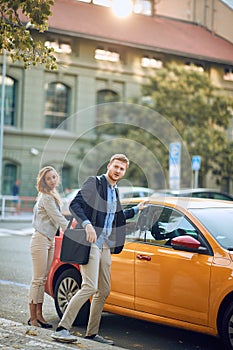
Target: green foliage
(18, 21)
(199, 111)
(182, 100)
(143, 135)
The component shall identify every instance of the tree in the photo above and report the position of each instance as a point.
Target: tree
(145, 136)
(19, 20)
(199, 111)
(184, 106)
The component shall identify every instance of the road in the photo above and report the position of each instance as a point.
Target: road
(15, 275)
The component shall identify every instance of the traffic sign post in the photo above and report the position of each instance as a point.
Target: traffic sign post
(196, 165)
(174, 165)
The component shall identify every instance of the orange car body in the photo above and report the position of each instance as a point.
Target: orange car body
(160, 284)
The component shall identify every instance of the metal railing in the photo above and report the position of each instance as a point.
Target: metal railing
(8, 205)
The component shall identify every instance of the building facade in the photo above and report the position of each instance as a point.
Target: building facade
(50, 116)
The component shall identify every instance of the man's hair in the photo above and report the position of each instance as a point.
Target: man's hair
(121, 158)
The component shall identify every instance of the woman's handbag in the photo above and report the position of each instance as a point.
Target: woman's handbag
(75, 248)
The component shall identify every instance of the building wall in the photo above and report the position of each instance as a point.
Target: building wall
(213, 14)
(85, 77)
(30, 146)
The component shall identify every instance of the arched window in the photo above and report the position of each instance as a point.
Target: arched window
(10, 176)
(105, 96)
(10, 100)
(107, 112)
(56, 105)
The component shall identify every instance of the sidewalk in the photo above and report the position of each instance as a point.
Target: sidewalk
(24, 216)
(14, 335)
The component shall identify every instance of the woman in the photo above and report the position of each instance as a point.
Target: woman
(47, 218)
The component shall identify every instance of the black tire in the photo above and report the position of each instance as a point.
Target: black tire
(227, 328)
(67, 284)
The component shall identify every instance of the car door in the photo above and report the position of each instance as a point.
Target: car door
(168, 282)
(122, 270)
(122, 279)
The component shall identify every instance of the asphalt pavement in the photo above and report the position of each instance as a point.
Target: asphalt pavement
(15, 335)
(18, 335)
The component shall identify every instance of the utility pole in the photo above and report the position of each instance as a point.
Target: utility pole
(2, 114)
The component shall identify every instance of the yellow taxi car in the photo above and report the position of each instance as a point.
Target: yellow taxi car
(176, 268)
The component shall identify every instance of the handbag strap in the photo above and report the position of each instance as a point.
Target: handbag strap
(70, 222)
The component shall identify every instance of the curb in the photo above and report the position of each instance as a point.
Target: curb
(22, 217)
(15, 335)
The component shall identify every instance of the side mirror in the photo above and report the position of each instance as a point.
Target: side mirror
(186, 243)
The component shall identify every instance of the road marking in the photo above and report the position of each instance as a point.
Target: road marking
(8, 283)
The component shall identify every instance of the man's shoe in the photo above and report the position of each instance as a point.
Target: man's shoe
(64, 336)
(100, 339)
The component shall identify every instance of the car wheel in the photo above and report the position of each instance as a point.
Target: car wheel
(227, 328)
(67, 284)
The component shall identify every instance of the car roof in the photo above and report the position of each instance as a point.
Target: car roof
(72, 193)
(191, 190)
(134, 188)
(182, 203)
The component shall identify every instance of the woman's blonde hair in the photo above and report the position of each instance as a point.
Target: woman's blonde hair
(42, 187)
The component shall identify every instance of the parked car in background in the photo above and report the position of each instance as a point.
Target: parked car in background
(124, 192)
(134, 191)
(196, 193)
(175, 269)
(67, 200)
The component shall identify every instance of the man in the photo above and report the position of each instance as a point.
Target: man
(97, 208)
(15, 193)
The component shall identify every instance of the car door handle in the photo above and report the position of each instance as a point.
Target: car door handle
(143, 257)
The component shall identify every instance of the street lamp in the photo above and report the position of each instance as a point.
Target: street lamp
(2, 115)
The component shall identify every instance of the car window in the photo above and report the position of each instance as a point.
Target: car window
(201, 195)
(219, 223)
(222, 196)
(158, 225)
(211, 195)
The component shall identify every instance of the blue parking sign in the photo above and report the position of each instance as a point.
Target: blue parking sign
(196, 163)
(174, 165)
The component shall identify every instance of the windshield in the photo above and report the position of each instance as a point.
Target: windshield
(219, 222)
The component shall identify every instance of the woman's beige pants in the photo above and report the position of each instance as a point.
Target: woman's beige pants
(42, 251)
(96, 283)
